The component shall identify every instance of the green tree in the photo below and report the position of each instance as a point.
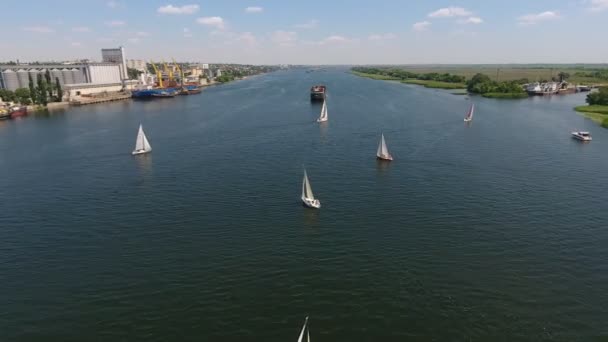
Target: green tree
(32, 87)
(58, 90)
(23, 96)
(133, 73)
(598, 97)
(7, 95)
(563, 76)
(49, 84)
(42, 91)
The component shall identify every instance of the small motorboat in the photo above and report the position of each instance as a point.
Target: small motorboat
(582, 136)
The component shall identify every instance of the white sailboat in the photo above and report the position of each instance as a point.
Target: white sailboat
(307, 196)
(382, 152)
(305, 327)
(469, 116)
(141, 143)
(323, 116)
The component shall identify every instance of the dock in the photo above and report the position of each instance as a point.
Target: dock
(82, 100)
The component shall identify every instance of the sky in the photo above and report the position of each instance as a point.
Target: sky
(311, 31)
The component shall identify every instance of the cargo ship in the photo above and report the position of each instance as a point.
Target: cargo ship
(151, 92)
(317, 93)
(18, 111)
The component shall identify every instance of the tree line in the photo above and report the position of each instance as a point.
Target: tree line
(482, 84)
(40, 92)
(599, 97)
(404, 74)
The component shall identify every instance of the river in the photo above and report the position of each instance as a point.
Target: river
(496, 230)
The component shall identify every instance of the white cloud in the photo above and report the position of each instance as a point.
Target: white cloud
(81, 29)
(336, 39)
(598, 5)
(254, 9)
(421, 26)
(142, 34)
(247, 38)
(284, 38)
(383, 36)
(216, 22)
(448, 12)
(170, 9)
(115, 23)
(311, 24)
(531, 19)
(39, 29)
(471, 20)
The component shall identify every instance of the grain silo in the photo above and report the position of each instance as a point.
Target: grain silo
(67, 76)
(34, 74)
(77, 76)
(56, 74)
(11, 82)
(22, 76)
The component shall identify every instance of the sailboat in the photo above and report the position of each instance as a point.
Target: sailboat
(301, 338)
(382, 152)
(469, 116)
(307, 196)
(323, 116)
(141, 143)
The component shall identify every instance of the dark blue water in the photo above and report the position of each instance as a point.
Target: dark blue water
(494, 231)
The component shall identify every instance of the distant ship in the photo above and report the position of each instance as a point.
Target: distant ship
(317, 93)
(151, 92)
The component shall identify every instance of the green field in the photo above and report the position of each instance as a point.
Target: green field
(596, 113)
(508, 73)
(436, 84)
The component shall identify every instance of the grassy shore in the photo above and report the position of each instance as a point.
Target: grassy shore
(598, 114)
(375, 77)
(505, 95)
(435, 84)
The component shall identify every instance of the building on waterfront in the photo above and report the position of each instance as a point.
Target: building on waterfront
(17, 76)
(116, 56)
(137, 64)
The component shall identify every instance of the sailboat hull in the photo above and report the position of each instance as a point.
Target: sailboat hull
(311, 203)
(385, 158)
(321, 120)
(137, 152)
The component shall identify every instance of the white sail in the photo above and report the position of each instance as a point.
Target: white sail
(306, 189)
(382, 149)
(323, 116)
(301, 338)
(141, 142)
(469, 115)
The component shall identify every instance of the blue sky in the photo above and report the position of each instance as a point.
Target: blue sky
(311, 31)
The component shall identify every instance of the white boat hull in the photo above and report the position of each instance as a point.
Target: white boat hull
(311, 203)
(387, 158)
(578, 136)
(322, 120)
(468, 120)
(137, 152)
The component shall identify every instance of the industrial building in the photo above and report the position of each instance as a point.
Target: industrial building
(116, 56)
(17, 76)
(137, 64)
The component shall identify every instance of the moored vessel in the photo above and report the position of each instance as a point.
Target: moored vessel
(17, 111)
(317, 93)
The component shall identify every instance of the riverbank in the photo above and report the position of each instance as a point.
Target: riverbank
(509, 96)
(596, 113)
(375, 77)
(435, 84)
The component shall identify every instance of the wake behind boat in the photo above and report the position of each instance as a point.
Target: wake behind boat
(307, 196)
(141, 143)
(382, 152)
(305, 328)
(469, 116)
(323, 117)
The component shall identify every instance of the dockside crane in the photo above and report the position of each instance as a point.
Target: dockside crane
(159, 75)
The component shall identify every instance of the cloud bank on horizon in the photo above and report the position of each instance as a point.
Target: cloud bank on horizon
(271, 32)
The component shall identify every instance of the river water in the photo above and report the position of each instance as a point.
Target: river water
(493, 231)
